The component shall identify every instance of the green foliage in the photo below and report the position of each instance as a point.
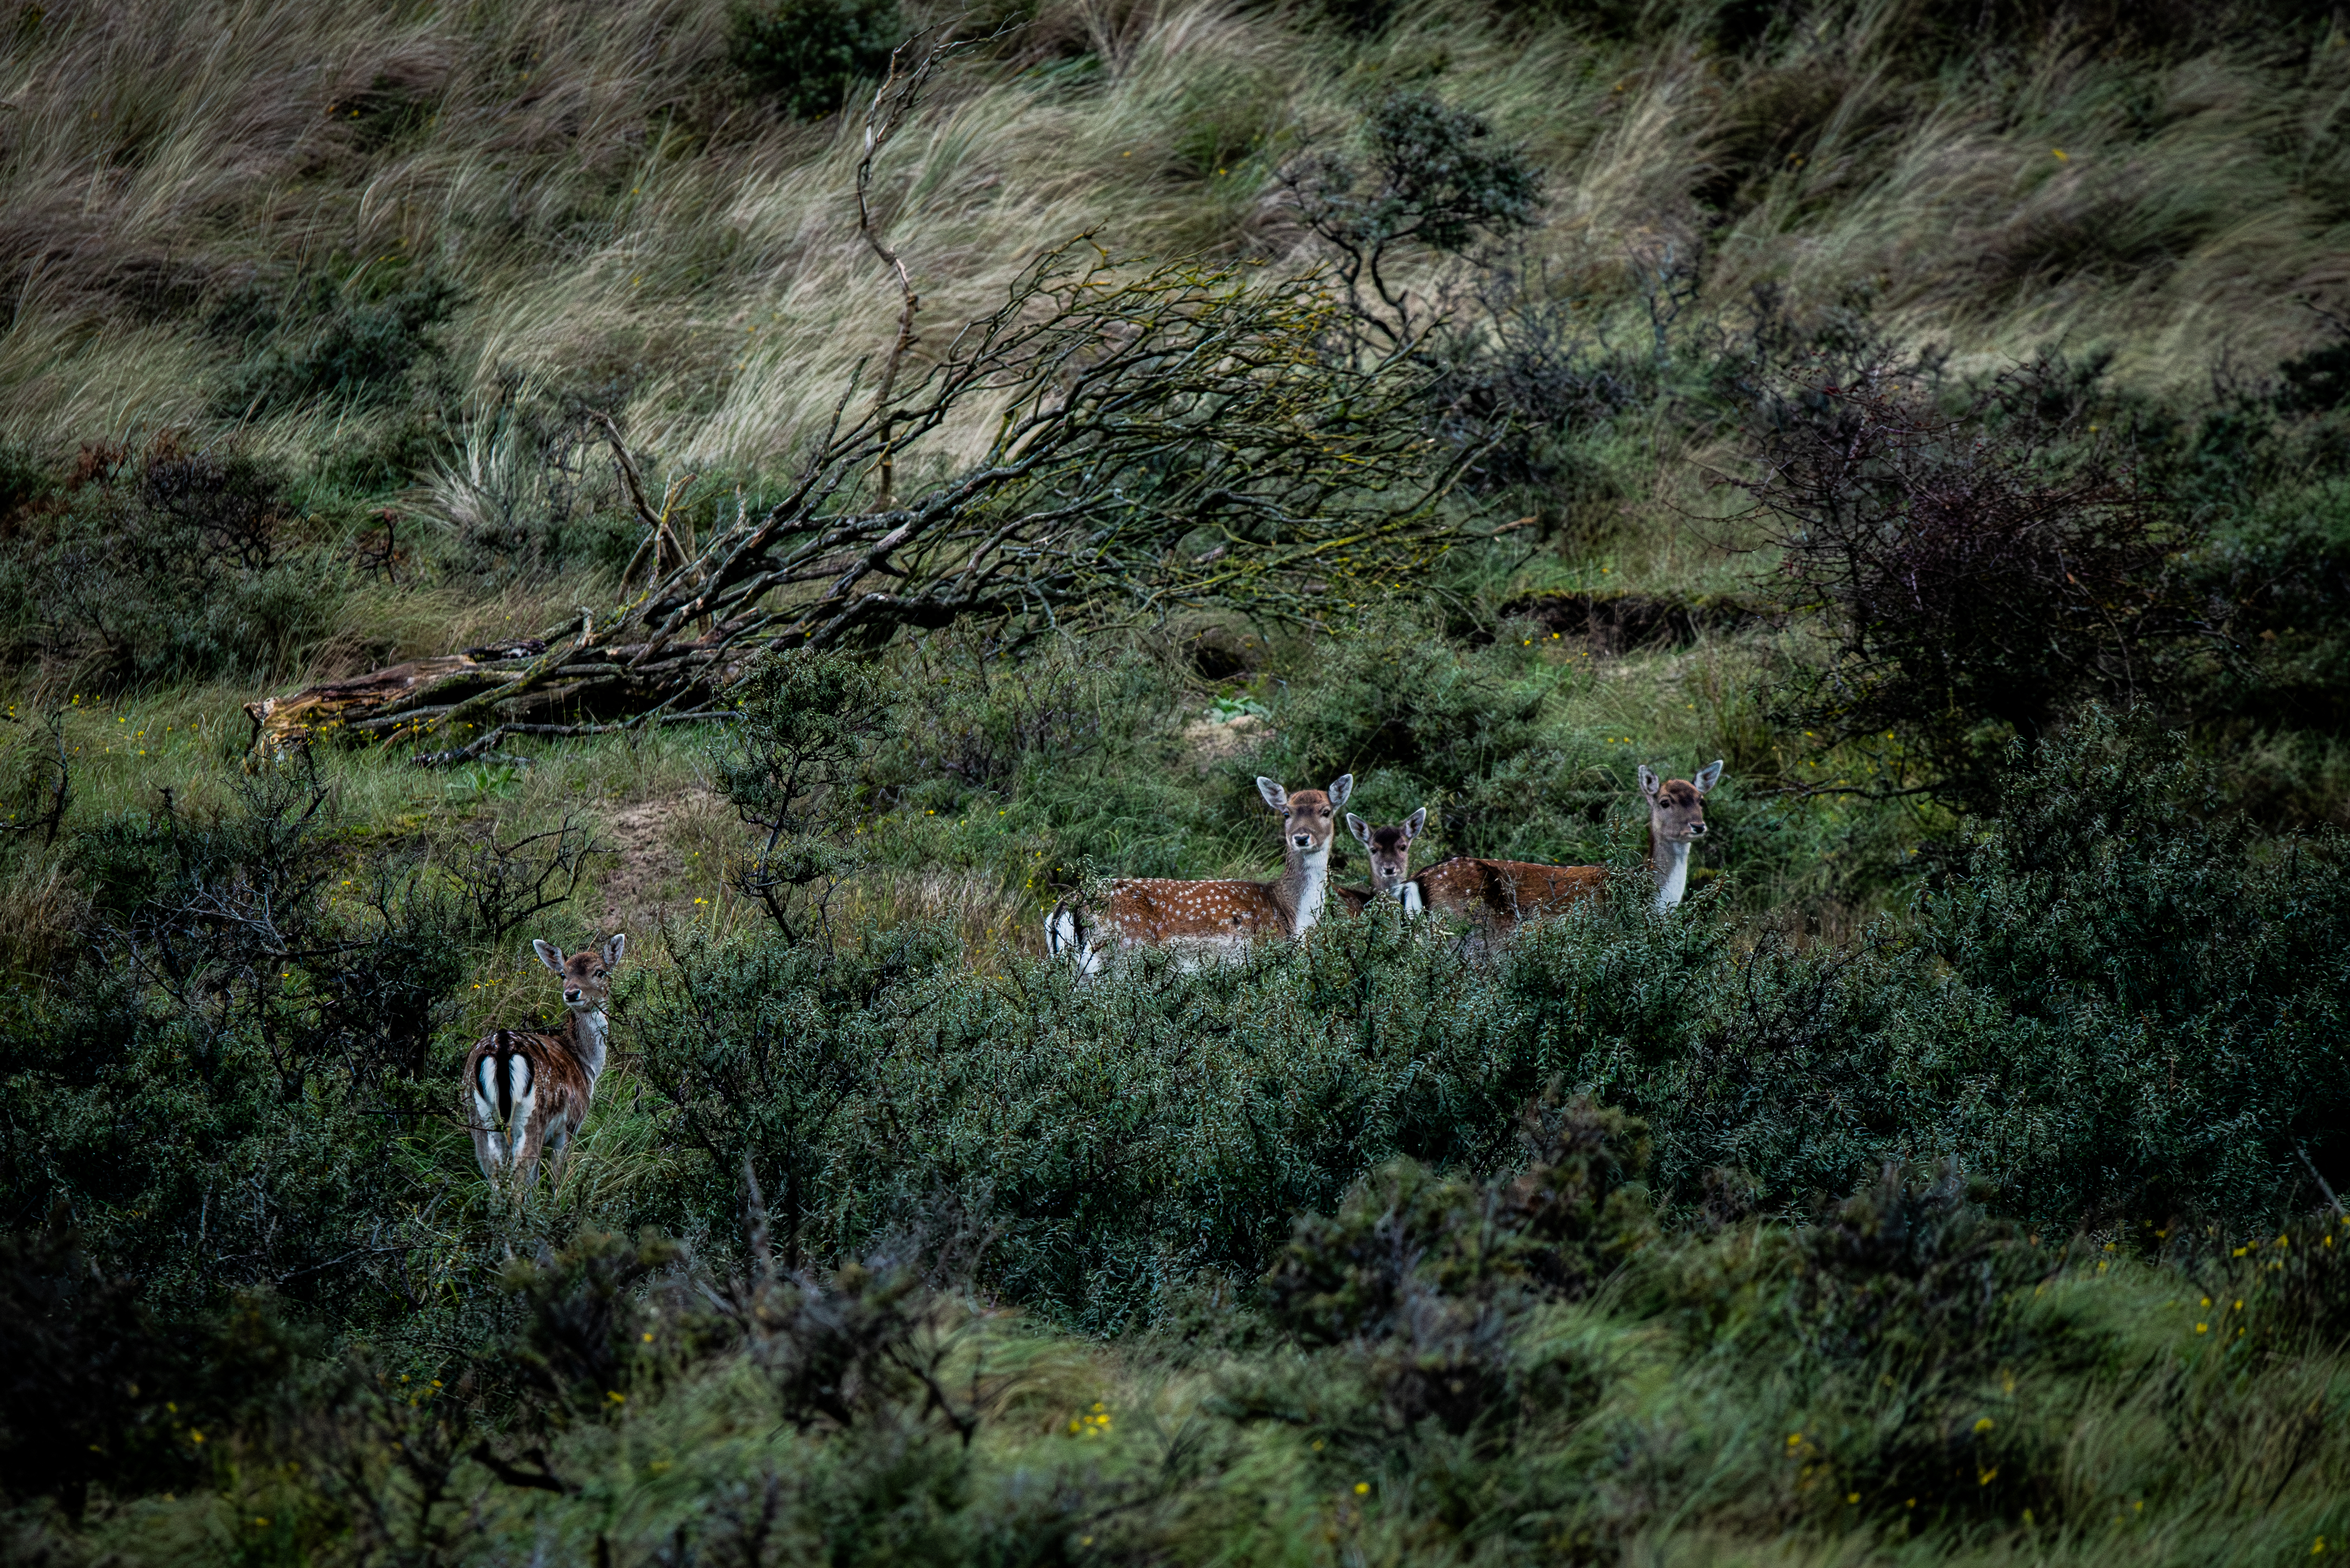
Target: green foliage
(175, 565)
(1908, 1303)
(227, 1081)
(352, 343)
(807, 55)
(1974, 577)
(1429, 180)
(769, 1051)
(806, 718)
(24, 480)
(103, 1389)
(1419, 721)
(2150, 952)
(2155, 1035)
(1417, 1282)
(587, 1345)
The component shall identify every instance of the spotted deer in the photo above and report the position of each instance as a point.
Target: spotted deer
(529, 1089)
(1499, 894)
(1211, 921)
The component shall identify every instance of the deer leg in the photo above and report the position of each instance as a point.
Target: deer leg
(559, 1152)
(489, 1149)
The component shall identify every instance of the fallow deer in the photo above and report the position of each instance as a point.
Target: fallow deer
(1499, 894)
(1389, 850)
(1208, 920)
(1676, 821)
(529, 1089)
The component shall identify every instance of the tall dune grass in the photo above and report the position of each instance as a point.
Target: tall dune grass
(617, 213)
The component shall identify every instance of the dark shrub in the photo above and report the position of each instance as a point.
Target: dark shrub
(87, 1372)
(787, 765)
(1977, 577)
(1913, 1308)
(96, 1388)
(587, 1342)
(806, 55)
(180, 564)
(229, 1084)
(331, 342)
(1415, 1287)
(1432, 180)
(2173, 987)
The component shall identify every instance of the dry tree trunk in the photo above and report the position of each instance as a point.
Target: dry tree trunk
(1157, 438)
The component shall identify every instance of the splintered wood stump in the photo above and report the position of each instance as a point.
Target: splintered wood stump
(288, 724)
(477, 697)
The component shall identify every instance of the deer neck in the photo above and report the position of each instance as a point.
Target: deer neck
(1671, 859)
(587, 1032)
(1303, 887)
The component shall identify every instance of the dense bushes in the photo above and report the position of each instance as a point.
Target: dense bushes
(2097, 1021)
(355, 343)
(1976, 577)
(239, 1081)
(173, 563)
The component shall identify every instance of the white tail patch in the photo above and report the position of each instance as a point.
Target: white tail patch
(530, 1089)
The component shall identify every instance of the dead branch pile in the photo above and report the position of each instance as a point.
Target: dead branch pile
(1150, 441)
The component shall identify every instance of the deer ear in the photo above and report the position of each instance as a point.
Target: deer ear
(1359, 828)
(1414, 823)
(613, 948)
(1707, 776)
(550, 954)
(1274, 795)
(1340, 788)
(1647, 781)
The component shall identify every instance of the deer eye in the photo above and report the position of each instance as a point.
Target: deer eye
(599, 974)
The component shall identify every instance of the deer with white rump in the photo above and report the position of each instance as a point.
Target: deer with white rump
(527, 1089)
(1206, 921)
(1499, 894)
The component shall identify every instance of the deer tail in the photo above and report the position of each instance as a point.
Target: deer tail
(1065, 927)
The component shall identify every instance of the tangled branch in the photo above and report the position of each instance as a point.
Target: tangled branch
(1154, 439)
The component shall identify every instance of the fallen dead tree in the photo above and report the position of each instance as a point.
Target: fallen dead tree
(1149, 439)
(1156, 440)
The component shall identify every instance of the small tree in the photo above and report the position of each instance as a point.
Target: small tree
(1432, 180)
(1975, 577)
(807, 717)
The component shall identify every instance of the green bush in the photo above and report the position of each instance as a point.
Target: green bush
(806, 55)
(328, 341)
(230, 1083)
(176, 564)
(2173, 989)
(807, 719)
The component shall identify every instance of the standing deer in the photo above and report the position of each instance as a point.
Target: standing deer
(1210, 921)
(529, 1089)
(1499, 894)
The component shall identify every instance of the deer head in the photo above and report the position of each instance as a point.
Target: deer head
(1308, 817)
(1389, 848)
(1676, 807)
(586, 975)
